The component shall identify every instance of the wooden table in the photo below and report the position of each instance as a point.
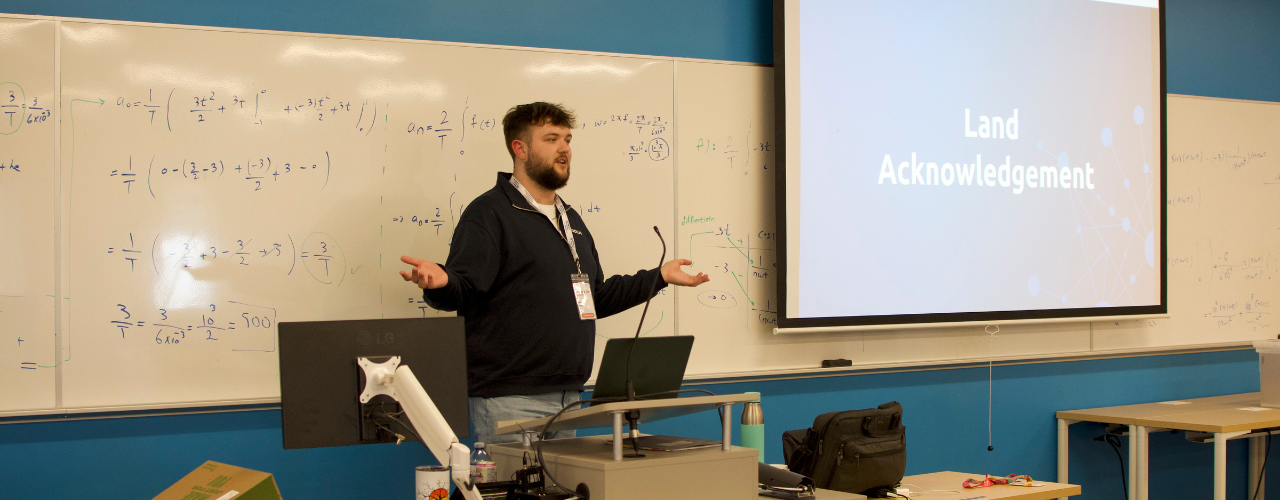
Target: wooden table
(1225, 417)
(821, 494)
(937, 485)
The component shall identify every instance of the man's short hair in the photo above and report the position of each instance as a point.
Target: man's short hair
(519, 121)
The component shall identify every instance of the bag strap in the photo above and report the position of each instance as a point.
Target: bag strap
(893, 429)
(801, 460)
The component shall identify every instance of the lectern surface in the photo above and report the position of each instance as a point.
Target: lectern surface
(602, 415)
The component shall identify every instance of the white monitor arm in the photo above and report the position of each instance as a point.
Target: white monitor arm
(398, 382)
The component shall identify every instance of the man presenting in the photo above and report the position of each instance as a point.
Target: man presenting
(523, 272)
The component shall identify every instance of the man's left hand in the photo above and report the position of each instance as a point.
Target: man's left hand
(672, 274)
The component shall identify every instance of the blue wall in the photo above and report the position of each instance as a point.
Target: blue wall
(710, 29)
(1223, 48)
(1219, 48)
(945, 414)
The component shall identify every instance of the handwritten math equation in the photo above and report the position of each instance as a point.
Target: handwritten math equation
(1253, 313)
(738, 258)
(9, 303)
(735, 152)
(321, 255)
(645, 125)
(656, 149)
(1237, 158)
(246, 327)
(423, 220)
(186, 252)
(1182, 200)
(456, 126)
(1228, 266)
(171, 107)
(255, 174)
(421, 305)
(160, 108)
(18, 109)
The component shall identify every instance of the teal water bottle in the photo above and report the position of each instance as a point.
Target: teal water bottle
(751, 426)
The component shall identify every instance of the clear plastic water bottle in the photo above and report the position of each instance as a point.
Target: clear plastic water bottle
(483, 468)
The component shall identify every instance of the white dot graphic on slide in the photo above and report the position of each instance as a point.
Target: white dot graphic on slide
(1111, 218)
(1151, 249)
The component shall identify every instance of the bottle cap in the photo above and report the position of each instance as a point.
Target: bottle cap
(479, 444)
(756, 394)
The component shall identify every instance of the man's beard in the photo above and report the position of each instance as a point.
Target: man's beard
(543, 171)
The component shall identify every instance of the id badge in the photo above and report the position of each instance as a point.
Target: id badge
(582, 295)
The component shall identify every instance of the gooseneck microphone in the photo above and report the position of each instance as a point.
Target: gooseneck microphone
(633, 416)
(631, 392)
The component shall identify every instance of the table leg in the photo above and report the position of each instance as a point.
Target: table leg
(1143, 463)
(726, 431)
(1219, 466)
(1133, 461)
(1257, 450)
(617, 435)
(1220, 463)
(1064, 461)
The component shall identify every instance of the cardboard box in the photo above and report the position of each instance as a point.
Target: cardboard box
(216, 481)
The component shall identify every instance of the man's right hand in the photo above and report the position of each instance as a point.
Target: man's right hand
(425, 274)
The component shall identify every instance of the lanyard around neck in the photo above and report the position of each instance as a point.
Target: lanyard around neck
(567, 234)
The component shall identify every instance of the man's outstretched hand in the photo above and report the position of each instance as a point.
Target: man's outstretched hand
(427, 274)
(672, 274)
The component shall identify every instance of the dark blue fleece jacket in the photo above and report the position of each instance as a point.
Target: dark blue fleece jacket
(509, 279)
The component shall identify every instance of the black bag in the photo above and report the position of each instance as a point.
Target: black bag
(852, 451)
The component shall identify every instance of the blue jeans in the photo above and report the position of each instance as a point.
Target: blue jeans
(487, 412)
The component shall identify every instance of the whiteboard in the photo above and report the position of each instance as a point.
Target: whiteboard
(1224, 227)
(28, 213)
(201, 185)
(220, 182)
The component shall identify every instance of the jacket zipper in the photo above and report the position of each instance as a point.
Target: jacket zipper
(553, 225)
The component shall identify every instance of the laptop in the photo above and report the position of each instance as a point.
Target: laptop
(657, 367)
(657, 370)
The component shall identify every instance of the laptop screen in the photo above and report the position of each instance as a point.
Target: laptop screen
(657, 366)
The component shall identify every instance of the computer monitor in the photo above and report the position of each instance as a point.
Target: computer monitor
(657, 366)
(320, 383)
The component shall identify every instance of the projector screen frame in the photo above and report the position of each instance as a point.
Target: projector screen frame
(788, 118)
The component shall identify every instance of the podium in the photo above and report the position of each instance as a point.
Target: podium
(727, 472)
